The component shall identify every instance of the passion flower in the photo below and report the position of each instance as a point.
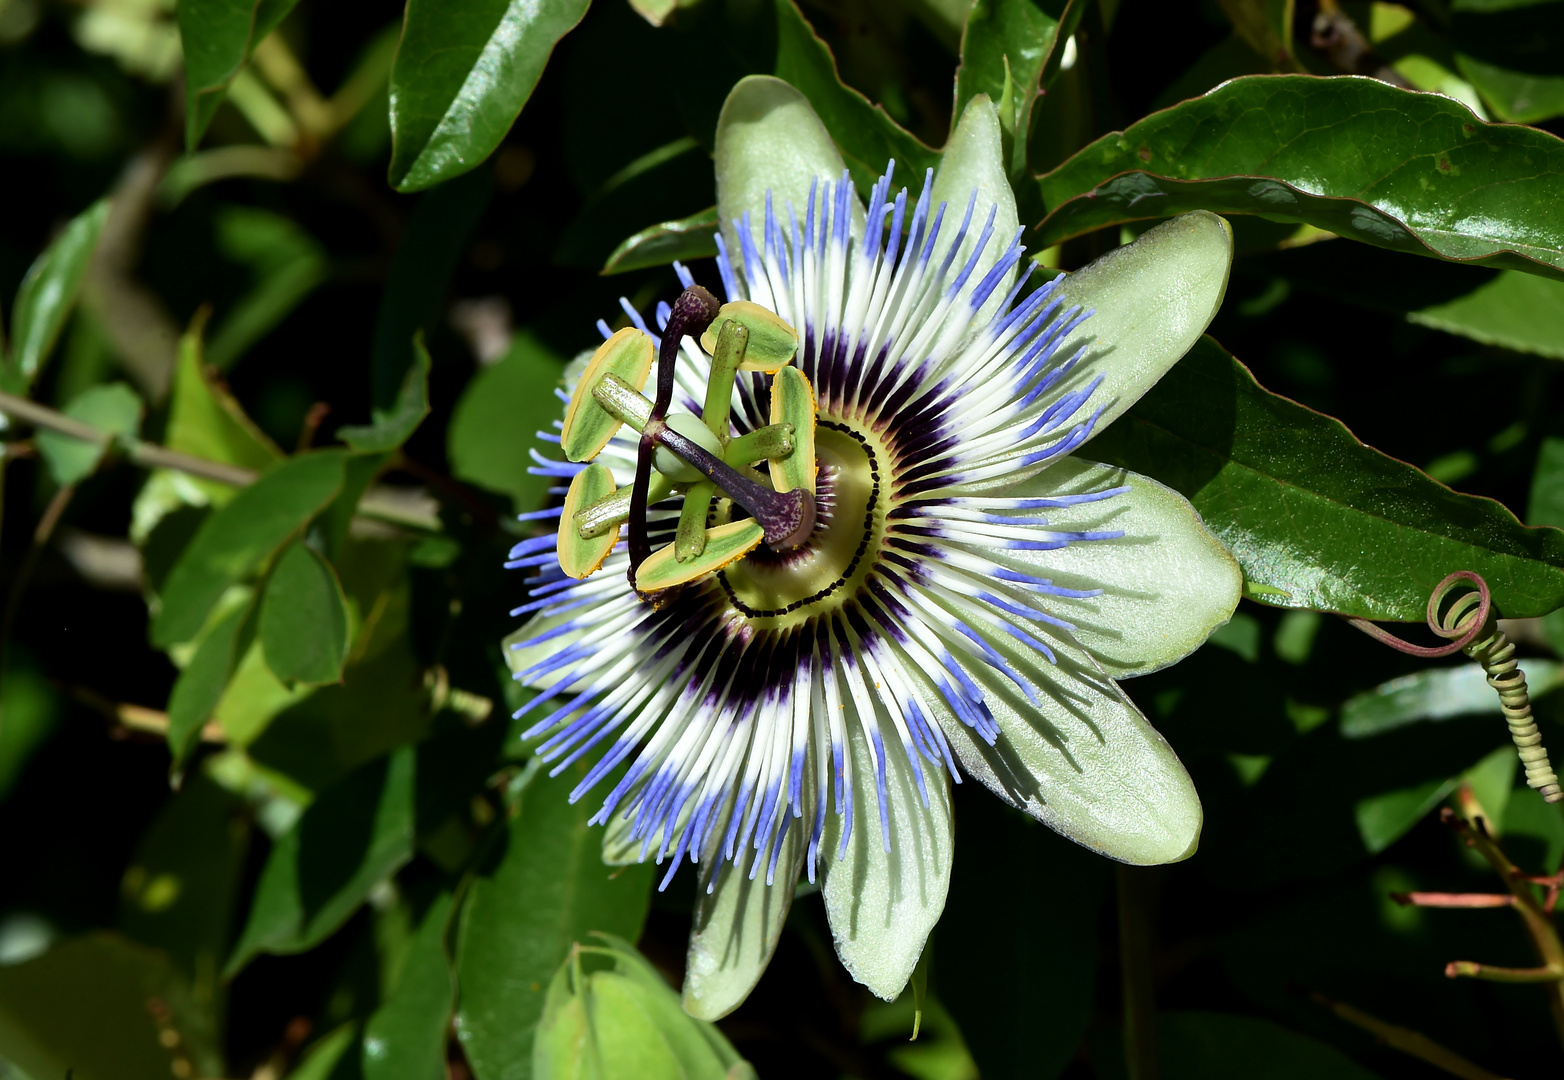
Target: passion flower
(848, 553)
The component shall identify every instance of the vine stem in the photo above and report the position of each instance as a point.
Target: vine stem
(1135, 968)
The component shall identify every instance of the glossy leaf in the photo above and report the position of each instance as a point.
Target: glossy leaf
(544, 887)
(218, 37)
(1009, 50)
(1299, 500)
(80, 1010)
(47, 294)
(201, 684)
(865, 134)
(497, 419)
(394, 426)
(354, 835)
(461, 76)
(694, 237)
(405, 1038)
(112, 408)
(1390, 167)
(237, 538)
(304, 618)
(1441, 693)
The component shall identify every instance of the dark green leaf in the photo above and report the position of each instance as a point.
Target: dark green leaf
(80, 1010)
(113, 409)
(1510, 53)
(864, 133)
(286, 264)
(351, 837)
(393, 426)
(1005, 867)
(180, 891)
(218, 37)
(1436, 694)
(240, 536)
(1266, 27)
(414, 296)
(1390, 167)
(405, 1038)
(1516, 311)
(1546, 507)
(694, 237)
(544, 888)
(497, 420)
(201, 684)
(462, 73)
(1315, 518)
(663, 183)
(304, 618)
(47, 294)
(1006, 49)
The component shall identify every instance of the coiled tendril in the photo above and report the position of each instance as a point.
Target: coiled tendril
(1456, 612)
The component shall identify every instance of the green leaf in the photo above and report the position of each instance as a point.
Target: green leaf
(1315, 518)
(625, 1021)
(496, 422)
(1441, 693)
(543, 888)
(865, 134)
(80, 1010)
(353, 836)
(394, 426)
(47, 294)
(1506, 308)
(1390, 167)
(304, 618)
(462, 73)
(694, 237)
(1509, 52)
(1387, 817)
(1266, 27)
(405, 1038)
(1006, 49)
(179, 893)
(201, 684)
(113, 409)
(286, 264)
(218, 37)
(204, 419)
(237, 538)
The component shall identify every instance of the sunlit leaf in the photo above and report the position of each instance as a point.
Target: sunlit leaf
(462, 73)
(1441, 693)
(304, 618)
(200, 685)
(112, 408)
(1390, 167)
(1298, 500)
(544, 887)
(236, 538)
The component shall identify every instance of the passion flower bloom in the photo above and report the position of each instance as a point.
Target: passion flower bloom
(930, 584)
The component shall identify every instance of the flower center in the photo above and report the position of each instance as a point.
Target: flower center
(781, 590)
